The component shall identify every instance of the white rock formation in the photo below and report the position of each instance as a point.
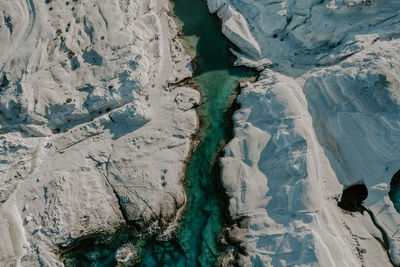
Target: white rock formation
(323, 115)
(88, 122)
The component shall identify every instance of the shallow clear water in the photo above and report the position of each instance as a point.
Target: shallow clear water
(196, 243)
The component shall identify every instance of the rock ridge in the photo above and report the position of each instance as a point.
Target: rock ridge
(322, 116)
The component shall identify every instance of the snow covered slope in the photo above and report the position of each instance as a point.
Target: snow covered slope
(91, 133)
(324, 115)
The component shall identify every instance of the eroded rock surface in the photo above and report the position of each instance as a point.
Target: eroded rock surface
(324, 115)
(88, 122)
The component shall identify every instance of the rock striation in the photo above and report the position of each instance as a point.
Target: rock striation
(322, 117)
(93, 134)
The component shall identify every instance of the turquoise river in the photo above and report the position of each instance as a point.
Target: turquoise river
(196, 243)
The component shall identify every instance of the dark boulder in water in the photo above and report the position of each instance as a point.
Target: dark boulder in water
(353, 197)
(394, 192)
(395, 180)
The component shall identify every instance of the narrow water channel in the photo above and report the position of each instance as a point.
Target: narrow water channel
(196, 243)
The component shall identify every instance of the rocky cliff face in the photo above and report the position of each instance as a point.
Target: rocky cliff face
(91, 134)
(324, 115)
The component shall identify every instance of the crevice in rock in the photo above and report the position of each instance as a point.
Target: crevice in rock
(117, 196)
(385, 242)
(352, 199)
(121, 207)
(119, 199)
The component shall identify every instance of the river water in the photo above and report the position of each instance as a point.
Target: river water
(196, 243)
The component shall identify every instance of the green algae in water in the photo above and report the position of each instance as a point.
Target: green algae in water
(196, 243)
(99, 249)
